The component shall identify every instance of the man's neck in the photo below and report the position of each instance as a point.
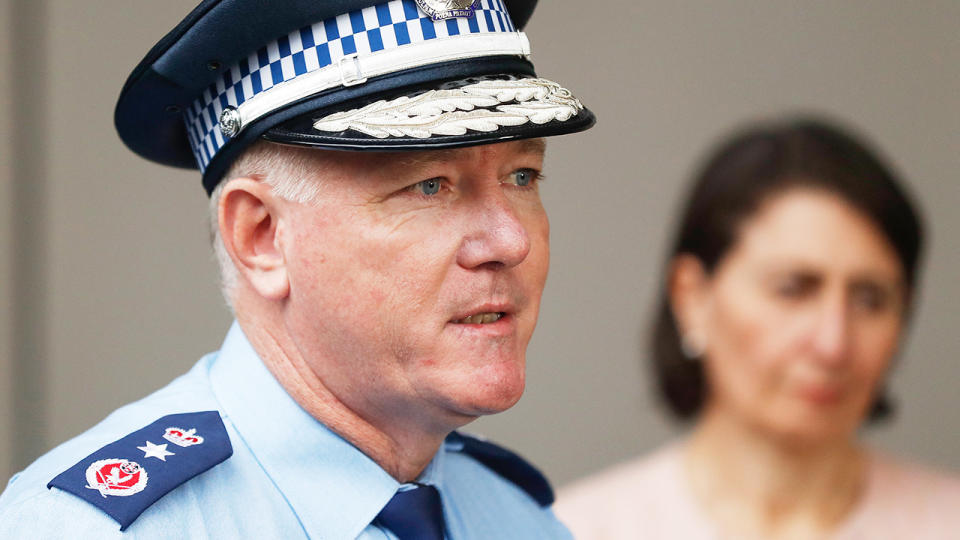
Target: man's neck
(757, 485)
(402, 451)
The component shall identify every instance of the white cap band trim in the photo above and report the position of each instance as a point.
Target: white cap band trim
(355, 69)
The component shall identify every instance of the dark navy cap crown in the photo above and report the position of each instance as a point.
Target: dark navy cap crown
(339, 74)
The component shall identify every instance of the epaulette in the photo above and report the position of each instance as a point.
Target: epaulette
(508, 465)
(126, 476)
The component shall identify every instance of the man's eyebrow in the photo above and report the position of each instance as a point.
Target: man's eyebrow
(430, 156)
(413, 159)
(533, 146)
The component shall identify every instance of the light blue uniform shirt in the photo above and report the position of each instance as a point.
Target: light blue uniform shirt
(289, 476)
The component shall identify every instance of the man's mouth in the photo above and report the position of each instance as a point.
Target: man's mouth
(481, 318)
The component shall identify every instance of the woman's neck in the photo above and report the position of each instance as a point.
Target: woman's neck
(754, 484)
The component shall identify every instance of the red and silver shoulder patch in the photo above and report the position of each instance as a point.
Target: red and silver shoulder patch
(116, 477)
(115, 480)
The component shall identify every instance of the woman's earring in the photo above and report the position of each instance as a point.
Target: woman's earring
(692, 346)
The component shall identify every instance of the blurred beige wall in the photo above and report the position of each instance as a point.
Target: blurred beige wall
(130, 297)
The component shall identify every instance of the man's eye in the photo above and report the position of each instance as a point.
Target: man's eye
(427, 187)
(524, 177)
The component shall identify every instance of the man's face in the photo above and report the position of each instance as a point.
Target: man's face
(415, 279)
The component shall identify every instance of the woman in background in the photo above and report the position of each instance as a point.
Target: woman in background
(787, 294)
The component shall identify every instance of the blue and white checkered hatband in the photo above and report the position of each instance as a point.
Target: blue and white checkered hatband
(340, 45)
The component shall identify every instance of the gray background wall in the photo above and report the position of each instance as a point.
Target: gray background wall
(108, 290)
(6, 238)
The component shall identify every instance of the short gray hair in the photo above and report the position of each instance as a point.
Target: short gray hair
(289, 171)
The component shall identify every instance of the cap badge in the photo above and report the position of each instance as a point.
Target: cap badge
(448, 9)
(182, 437)
(117, 477)
(230, 122)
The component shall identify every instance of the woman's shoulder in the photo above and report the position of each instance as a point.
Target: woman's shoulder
(628, 478)
(895, 478)
(907, 500)
(909, 478)
(637, 495)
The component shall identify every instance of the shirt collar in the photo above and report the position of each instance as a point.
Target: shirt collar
(433, 473)
(335, 489)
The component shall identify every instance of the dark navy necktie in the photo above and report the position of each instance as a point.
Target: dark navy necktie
(414, 514)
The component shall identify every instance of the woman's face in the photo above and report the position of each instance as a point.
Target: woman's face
(801, 317)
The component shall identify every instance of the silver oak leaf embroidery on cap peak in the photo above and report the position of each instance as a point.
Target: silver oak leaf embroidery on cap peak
(483, 106)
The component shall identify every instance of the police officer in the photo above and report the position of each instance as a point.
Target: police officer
(373, 171)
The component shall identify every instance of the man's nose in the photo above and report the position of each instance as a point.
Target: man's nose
(496, 235)
(831, 331)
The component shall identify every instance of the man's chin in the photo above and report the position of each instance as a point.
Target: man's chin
(496, 404)
(484, 396)
(505, 395)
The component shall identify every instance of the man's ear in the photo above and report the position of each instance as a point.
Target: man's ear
(688, 286)
(248, 217)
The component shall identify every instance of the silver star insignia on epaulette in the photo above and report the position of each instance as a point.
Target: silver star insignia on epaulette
(158, 451)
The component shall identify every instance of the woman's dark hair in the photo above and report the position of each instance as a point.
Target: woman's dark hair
(748, 168)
